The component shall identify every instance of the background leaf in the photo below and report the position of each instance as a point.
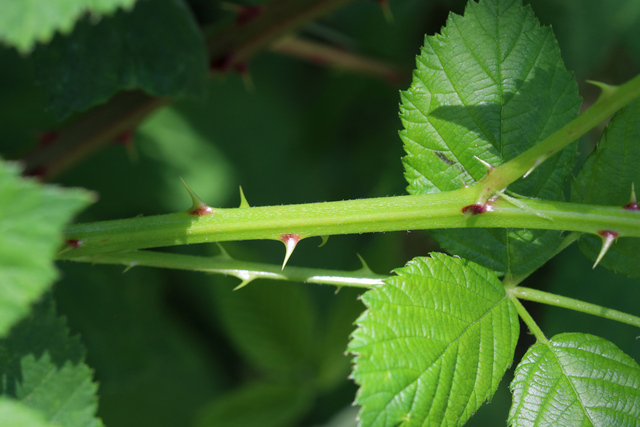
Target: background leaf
(31, 221)
(491, 85)
(606, 179)
(258, 405)
(24, 23)
(271, 324)
(42, 367)
(434, 343)
(575, 380)
(157, 47)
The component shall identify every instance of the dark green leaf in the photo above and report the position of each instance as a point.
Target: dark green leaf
(606, 179)
(42, 367)
(490, 86)
(152, 368)
(576, 380)
(271, 324)
(157, 47)
(434, 343)
(24, 23)
(31, 222)
(258, 405)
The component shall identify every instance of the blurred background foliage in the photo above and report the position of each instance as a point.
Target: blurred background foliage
(180, 349)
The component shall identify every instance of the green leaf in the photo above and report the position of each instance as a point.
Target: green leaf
(152, 367)
(42, 367)
(157, 47)
(434, 343)
(272, 324)
(606, 179)
(31, 222)
(24, 23)
(258, 405)
(16, 414)
(576, 380)
(490, 86)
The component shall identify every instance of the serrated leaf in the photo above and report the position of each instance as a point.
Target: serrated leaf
(42, 367)
(16, 414)
(24, 23)
(157, 47)
(606, 179)
(258, 405)
(576, 380)
(31, 222)
(272, 325)
(434, 343)
(490, 86)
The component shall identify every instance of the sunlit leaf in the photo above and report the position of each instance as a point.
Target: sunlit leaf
(576, 380)
(489, 87)
(433, 344)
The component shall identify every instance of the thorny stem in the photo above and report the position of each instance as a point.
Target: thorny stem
(245, 271)
(430, 211)
(573, 304)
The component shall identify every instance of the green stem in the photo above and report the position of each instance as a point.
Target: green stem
(431, 211)
(245, 271)
(528, 320)
(584, 307)
(611, 100)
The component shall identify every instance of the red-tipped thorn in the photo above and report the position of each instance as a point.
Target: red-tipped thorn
(199, 208)
(608, 237)
(633, 202)
(475, 209)
(290, 241)
(74, 243)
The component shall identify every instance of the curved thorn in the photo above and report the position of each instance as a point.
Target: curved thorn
(130, 266)
(243, 200)
(365, 268)
(325, 239)
(537, 163)
(290, 241)
(486, 164)
(223, 252)
(199, 207)
(606, 90)
(608, 237)
(633, 202)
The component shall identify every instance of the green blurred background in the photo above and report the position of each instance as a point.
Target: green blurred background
(180, 349)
